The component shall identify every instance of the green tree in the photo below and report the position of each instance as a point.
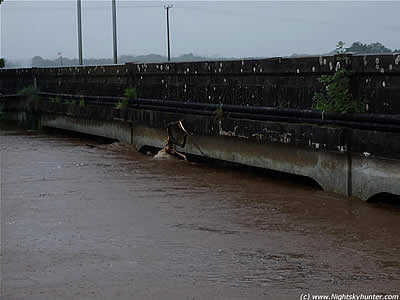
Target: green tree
(2, 61)
(373, 48)
(340, 47)
(379, 48)
(336, 95)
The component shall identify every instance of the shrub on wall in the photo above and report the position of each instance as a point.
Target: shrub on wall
(82, 102)
(336, 94)
(130, 93)
(32, 99)
(122, 105)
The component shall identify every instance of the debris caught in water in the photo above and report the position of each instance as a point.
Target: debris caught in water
(176, 136)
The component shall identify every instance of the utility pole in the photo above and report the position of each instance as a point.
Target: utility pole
(79, 10)
(167, 7)
(114, 21)
(2, 60)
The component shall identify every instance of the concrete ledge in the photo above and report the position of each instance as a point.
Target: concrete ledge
(338, 172)
(329, 169)
(114, 130)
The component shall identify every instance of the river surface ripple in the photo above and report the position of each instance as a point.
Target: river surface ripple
(107, 222)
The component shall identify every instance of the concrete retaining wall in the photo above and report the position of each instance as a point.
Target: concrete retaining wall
(334, 172)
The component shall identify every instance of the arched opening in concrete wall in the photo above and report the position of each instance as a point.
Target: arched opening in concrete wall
(272, 175)
(386, 199)
(282, 177)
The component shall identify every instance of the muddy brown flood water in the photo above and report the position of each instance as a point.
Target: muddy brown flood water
(107, 222)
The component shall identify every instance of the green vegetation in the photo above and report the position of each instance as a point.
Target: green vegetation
(219, 113)
(340, 49)
(130, 93)
(122, 105)
(28, 91)
(56, 100)
(336, 95)
(373, 48)
(2, 62)
(82, 102)
(32, 98)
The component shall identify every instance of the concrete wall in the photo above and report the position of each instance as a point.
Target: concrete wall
(295, 133)
(333, 171)
(120, 131)
(274, 82)
(371, 176)
(327, 169)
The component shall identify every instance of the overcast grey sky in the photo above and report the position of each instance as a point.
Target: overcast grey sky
(230, 29)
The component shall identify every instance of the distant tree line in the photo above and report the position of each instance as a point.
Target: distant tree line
(38, 61)
(373, 48)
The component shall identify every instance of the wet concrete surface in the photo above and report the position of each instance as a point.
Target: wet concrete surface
(107, 222)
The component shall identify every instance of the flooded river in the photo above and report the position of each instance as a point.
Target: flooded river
(84, 220)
